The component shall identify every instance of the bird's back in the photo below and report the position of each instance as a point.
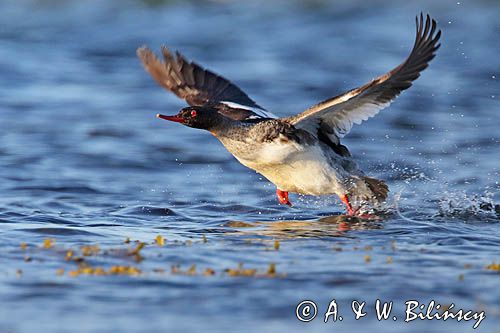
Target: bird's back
(293, 159)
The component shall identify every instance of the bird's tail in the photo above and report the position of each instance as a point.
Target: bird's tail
(368, 189)
(378, 188)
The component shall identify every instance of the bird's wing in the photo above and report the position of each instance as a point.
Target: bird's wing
(199, 86)
(336, 116)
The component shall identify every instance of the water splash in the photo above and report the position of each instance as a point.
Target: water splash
(476, 207)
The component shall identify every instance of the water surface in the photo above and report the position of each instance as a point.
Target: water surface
(83, 161)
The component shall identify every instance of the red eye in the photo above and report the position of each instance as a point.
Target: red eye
(193, 113)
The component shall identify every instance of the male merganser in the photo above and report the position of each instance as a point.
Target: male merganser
(302, 153)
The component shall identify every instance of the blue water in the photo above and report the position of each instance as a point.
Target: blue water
(83, 161)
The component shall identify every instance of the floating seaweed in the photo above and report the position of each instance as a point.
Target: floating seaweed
(48, 243)
(90, 250)
(494, 267)
(272, 269)
(99, 271)
(240, 271)
(85, 255)
(159, 240)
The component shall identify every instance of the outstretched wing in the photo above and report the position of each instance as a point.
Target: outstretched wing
(335, 117)
(199, 86)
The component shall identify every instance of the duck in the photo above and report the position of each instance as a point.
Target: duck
(301, 153)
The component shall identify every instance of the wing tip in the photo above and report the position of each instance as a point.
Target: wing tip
(144, 52)
(147, 55)
(427, 31)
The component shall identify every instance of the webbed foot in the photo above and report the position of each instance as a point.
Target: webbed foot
(283, 197)
(345, 200)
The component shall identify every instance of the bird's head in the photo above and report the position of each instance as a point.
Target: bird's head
(201, 117)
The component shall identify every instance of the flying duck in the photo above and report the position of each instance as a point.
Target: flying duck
(300, 153)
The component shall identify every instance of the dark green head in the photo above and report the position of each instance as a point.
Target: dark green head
(202, 117)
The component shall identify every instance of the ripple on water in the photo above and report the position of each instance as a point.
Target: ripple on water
(237, 208)
(10, 214)
(81, 189)
(141, 210)
(109, 133)
(57, 231)
(26, 290)
(50, 219)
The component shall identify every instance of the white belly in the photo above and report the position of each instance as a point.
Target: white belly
(296, 168)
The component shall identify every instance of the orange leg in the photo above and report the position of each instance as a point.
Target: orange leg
(283, 197)
(345, 200)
